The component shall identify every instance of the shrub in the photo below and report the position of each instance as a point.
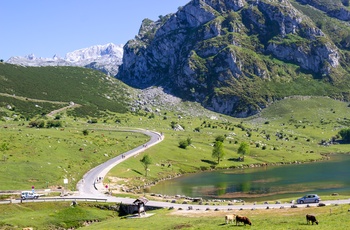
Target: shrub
(197, 129)
(37, 124)
(220, 138)
(56, 124)
(85, 132)
(183, 144)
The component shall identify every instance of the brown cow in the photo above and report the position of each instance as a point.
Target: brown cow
(311, 218)
(243, 219)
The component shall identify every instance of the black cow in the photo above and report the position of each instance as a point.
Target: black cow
(311, 218)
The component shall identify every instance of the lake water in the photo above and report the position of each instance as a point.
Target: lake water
(264, 183)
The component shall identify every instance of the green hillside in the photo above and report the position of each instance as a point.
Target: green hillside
(33, 91)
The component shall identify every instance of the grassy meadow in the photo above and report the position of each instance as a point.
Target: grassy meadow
(62, 215)
(44, 157)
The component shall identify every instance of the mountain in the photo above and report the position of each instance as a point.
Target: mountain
(106, 58)
(237, 56)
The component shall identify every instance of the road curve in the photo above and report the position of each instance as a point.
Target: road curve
(90, 186)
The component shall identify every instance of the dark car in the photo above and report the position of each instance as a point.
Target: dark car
(309, 198)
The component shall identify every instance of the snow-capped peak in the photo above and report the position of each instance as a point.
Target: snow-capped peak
(96, 51)
(106, 58)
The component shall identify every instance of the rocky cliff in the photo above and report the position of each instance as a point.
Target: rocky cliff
(226, 54)
(334, 8)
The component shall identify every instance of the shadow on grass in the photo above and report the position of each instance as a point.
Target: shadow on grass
(137, 172)
(209, 162)
(239, 159)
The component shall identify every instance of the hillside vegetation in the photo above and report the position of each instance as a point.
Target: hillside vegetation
(33, 91)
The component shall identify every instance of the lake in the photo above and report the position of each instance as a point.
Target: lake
(264, 183)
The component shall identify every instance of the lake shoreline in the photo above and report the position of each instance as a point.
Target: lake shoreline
(146, 186)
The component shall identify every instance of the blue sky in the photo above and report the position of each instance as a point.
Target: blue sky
(49, 27)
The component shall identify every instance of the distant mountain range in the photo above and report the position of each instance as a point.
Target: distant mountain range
(106, 58)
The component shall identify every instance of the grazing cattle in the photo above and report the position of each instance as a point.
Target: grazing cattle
(243, 219)
(230, 218)
(311, 218)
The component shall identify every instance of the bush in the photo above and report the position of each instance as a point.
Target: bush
(55, 123)
(220, 138)
(183, 144)
(37, 124)
(85, 132)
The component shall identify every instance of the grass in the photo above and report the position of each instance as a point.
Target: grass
(50, 215)
(44, 157)
(61, 214)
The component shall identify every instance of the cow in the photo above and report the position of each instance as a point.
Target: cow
(230, 218)
(243, 219)
(311, 218)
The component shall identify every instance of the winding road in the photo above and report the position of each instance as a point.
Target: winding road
(90, 186)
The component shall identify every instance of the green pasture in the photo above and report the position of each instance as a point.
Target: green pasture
(51, 215)
(62, 215)
(44, 157)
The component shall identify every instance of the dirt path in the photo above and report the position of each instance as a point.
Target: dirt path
(52, 113)
(31, 99)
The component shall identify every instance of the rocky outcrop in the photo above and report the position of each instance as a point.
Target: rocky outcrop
(334, 8)
(210, 50)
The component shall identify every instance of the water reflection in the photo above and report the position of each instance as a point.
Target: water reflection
(273, 182)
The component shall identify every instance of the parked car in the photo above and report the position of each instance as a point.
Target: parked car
(29, 195)
(309, 198)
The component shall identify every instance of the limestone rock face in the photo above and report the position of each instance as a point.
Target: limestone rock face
(209, 51)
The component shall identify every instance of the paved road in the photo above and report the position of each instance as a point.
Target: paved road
(90, 186)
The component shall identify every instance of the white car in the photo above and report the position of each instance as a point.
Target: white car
(29, 195)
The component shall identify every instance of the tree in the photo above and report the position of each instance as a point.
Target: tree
(218, 151)
(244, 149)
(185, 143)
(146, 161)
(345, 134)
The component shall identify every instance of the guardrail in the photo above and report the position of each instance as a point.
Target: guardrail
(54, 199)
